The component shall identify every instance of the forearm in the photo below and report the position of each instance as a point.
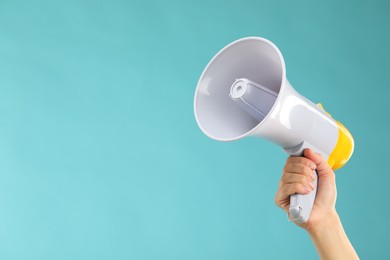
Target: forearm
(331, 241)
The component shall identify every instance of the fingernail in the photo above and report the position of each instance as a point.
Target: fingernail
(312, 186)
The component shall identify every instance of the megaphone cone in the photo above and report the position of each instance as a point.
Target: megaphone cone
(243, 91)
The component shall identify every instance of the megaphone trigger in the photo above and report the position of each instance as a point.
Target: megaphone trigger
(291, 216)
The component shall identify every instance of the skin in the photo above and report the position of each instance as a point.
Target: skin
(324, 226)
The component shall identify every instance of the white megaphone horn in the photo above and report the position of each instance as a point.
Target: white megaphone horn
(243, 91)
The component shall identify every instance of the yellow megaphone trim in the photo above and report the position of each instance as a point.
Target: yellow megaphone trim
(344, 146)
(343, 149)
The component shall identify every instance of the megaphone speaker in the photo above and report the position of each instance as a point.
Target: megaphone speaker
(243, 91)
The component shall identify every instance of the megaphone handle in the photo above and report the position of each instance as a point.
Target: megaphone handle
(301, 205)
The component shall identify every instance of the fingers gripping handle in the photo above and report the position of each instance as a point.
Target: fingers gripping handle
(302, 204)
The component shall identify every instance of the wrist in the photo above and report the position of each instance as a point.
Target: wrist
(329, 238)
(329, 221)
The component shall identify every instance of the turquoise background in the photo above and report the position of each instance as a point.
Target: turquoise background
(100, 154)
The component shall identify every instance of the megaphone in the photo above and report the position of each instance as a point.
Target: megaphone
(243, 91)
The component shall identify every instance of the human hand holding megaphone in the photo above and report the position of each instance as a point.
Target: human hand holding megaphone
(296, 176)
(243, 91)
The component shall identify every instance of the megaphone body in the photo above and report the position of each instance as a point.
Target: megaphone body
(243, 91)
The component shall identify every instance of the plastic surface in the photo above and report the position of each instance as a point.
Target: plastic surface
(247, 93)
(343, 149)
(253, 58)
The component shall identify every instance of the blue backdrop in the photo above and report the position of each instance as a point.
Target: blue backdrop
(100, 154)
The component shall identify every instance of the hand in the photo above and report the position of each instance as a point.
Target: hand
(324, 225)
(297, 177)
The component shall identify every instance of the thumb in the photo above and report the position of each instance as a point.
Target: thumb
(323, 169)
